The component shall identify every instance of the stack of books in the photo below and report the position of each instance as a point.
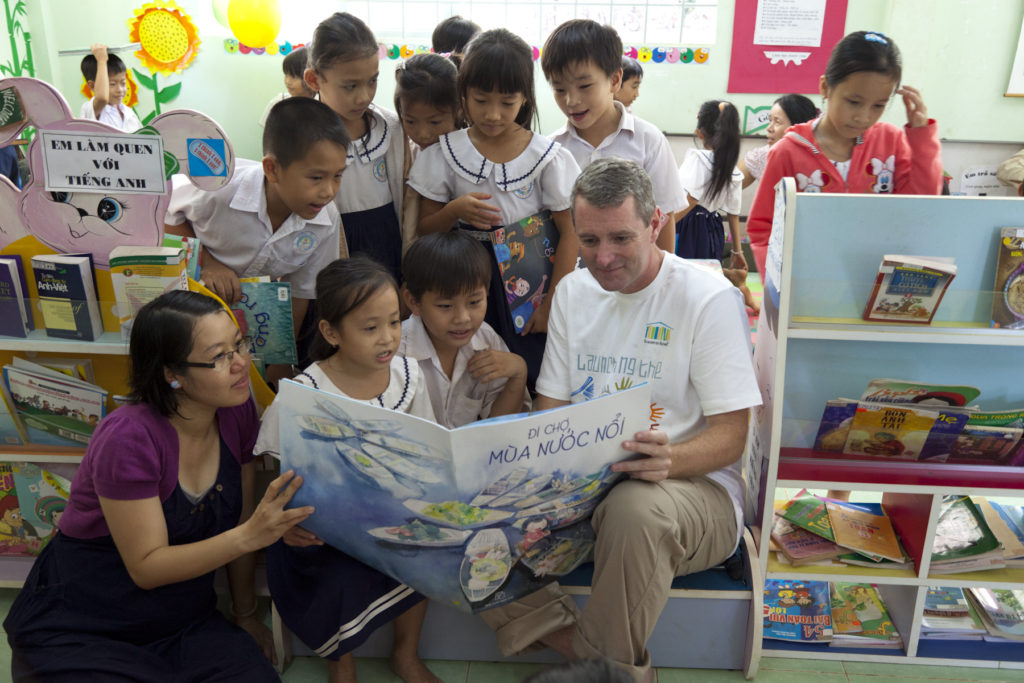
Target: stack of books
(963, 540)
(1001, 612)
(949, 616)
(861, 617)
(827, 530)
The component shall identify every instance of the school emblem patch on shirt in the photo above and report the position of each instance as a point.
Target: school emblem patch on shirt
(380, 171)
(524, 192)
(304, 242)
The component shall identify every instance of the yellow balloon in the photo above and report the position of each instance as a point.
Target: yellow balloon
(254, 22)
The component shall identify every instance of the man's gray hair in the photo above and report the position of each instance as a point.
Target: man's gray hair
(608, 181)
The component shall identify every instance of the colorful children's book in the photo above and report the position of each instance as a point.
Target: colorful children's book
(835, 425)
(963, 540)
(1008, 303)
(984, 445)
(799, 545)
(56, 409)
(141, 274)
(808, 512)
(889, 431)
(877, 629)
(844, 617)
(908, 289)
(864, 532)
(43, 496)
(798, 611)
(525, 252)
(12, 430)
(1001, 611)
(1010, 537)
(885, 390)
(67, 296)
(948, 615)
(266, 308)
(16, 538)
(191, 247)
(15, 312)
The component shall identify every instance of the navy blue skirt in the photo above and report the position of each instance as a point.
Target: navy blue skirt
(80, 617)
(700, 234)
(377, 234)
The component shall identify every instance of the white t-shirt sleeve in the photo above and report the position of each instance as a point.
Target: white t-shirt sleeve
(86, 111)
(184, 198)
(721, 365)
(661, 167)
(269, 438)
(556, 181)
(431, 177)
(554, 379)
(694, 175)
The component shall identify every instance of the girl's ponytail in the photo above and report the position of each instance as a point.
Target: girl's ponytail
(720, 123)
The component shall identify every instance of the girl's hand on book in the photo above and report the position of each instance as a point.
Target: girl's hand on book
(300, 538)
(473, 209)
(917, 113)
(656, 462)
(271, 520)
(491, 364)
(538, 322)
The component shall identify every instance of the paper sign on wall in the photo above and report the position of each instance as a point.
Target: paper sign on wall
(103, 163)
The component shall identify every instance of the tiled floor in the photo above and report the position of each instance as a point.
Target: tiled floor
(772, 670)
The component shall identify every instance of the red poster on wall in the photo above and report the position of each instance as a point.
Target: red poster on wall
(782, 46)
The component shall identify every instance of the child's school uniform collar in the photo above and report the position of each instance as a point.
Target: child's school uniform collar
(375, 143)
(627, 122)
(462, 156)
(419, 347)
(251, 196)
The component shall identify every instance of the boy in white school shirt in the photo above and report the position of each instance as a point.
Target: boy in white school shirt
(107, 77)
(582, 61)
(276, 217)
(469, 372)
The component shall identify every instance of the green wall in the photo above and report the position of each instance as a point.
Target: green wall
(958, 52)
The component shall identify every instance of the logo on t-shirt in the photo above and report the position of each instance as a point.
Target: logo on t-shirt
(304, 242)
(524, 192)
(657, 333)
(380, 171)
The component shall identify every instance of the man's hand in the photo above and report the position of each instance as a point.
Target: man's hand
(655, 462)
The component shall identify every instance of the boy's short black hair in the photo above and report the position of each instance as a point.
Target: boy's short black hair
(294, 64)
(453, 34)
(578, 41)
(295, 124)
(631, 69)
(114, 66)
(449, 263)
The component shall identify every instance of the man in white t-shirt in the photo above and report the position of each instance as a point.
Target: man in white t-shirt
(639, 314)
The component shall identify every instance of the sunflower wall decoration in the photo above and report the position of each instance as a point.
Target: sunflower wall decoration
(169, 42)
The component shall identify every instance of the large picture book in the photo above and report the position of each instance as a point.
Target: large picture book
(798, 611)
(1008, 302)
(67, 296)
(473, 517)
(908, 289)
(264, 313)
(15, 307)
(525, 253)
(877, 629)
(56, 410)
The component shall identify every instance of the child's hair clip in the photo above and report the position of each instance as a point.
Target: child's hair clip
(876, 38)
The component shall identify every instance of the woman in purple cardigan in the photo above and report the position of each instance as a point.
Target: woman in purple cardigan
(125, 590)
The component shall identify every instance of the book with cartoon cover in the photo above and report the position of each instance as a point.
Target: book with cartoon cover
(1008, 302)
(798, 611)
(877, 629)
(473, 517)
(525, 252)
(908, 289)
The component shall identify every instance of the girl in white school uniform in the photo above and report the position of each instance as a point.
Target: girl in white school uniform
(343, 70)
(498, 179)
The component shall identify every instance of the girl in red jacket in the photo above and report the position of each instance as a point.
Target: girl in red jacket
(847, 149)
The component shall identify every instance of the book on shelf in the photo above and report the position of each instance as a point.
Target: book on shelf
(864, 532)
(77, 368)
(55, 409)
(902, 432)
(1001, 612)
(1008, 299)
(15, 306)
(42, 496)
(264, 312)
(191, 247)
(798, 611)
(877, 629)
(12, 429)
(858, 560)
(1006, 531)
(141, 274)
(800, 546)
(834, 428)
(844, 617)
(67, 296)
(963, 541)
(887, 390)
(14, 537)
(908, 289)
(808, 512)
(948, 615)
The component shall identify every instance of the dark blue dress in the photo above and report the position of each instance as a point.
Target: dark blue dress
(80, 617)
(377, 234)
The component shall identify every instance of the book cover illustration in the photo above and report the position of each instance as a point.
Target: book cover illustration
(12, 430)
(799, 545)
(452, 513)
(1013, 516)
(844, 617)
(525, 252)
(864, 532)
(15, 312)
(67, 296)
(835, 425)
(1008, 302)
(16, 537)
(961, 531)
(908, 289)
(889, 431)
(885, 390)
(266, 308)
(945, 600)
(808, 512)
(1001, 610)
(55, 409)
(141, 274)
(870, 610)
(43, 496)
(798, 611)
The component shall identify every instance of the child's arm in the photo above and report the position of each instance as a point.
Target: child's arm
(469, 208)
(220, 279)
(487, 366)
(737, 260)
(101, 84)
(565, 260)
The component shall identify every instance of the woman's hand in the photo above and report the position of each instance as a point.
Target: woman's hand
(260, 633)
(917, 113)
(271, 520)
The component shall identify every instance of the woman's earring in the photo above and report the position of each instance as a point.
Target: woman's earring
(175, 384)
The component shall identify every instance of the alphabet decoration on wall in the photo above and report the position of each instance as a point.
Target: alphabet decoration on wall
(169, 44)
